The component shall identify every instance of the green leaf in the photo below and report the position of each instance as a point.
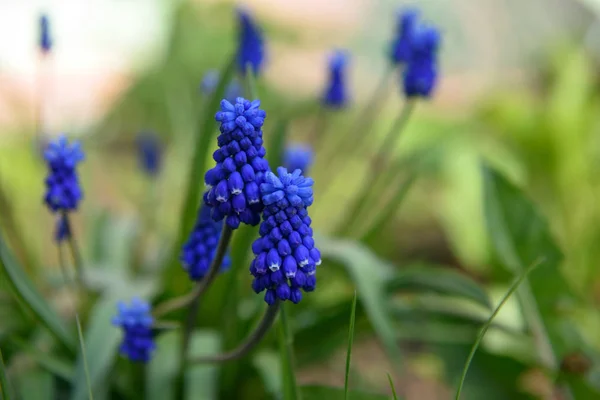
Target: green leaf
(27, 294)
(102, 341)
(84, 358)
(333, 393)
(394, 395)
(37, 385)
(487, 324)
(268, 365)
(202, 382)
(286, 341)
(424, 278)
(369, 274)
(277, 141)
(162, 369)
(56, 366)
(4, 388)
(349, 350)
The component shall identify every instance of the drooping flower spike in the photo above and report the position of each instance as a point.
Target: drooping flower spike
(235, 180)
(149, 153)
(336, 92)
(298, 156)
(285, 254)
(199, 250)
(209, 83)
(45, 42)
(401, 46)
(63, 191)
(251, 48)
(136, 321)
(420, 76)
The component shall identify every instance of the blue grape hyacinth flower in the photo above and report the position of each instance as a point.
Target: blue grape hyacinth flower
(298, 156)
(251, 48)
(63, 191)
(336, 92)
(45, 38)
(401, 46)
(285, 254)
(62, 231)
(235, 180)
(199, 250)
(136, 321)
(209, 83)
(149, 153)
(420, 75)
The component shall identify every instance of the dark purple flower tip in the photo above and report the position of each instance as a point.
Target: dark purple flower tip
(336, 93)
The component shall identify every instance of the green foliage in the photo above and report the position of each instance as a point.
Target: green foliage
(349, 351)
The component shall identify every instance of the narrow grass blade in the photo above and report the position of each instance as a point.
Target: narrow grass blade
(394, 395)
(290, 389)
(486, 326)
(4, 389)
(84, 358)
(26, 292)
(349, 351)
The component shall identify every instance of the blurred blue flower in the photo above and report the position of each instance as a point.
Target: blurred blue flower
(210, 81)
(401, 47)
(234, 182)
(336, 93)
(63, 192)
(149, 152)
(136, 321)
(45, 38)
(298, 157)
(250, 43)
(285, 254)
(62, 231)
(199, 250)
(420, 75)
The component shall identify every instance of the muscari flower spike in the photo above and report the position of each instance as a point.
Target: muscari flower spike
(62, 231)
(235, 180)
(298, 156)
(63, 192)
(250, 43)
(45, 38)
(136, 321)
(420, 75)
(401, 47)
(336, 94)
(209, 83)
(199, 250)
(149, 152)
(285, 254)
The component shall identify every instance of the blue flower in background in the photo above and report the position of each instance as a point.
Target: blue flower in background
(336, 94)
(211, 80)
(298, 157)
(45, 38)
(136, 321)
(285, 254)
(63, 192)
(235, 180)
(149, 152)
(401, 47)
(62, 231)
(199, 250)
(250, 43)
(420, 75)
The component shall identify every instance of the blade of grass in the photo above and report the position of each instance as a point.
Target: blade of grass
(486, 326)
(286, 340)
(85, 364)
(4, 390)
(394, 395)
(349, 351)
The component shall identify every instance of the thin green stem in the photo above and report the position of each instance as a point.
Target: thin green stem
(488, 323)
(286, 342)
(75, 253)
(247, 345)
(349, 350)
(5, 392)
(62, 263)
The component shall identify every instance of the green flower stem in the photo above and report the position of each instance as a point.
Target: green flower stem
(247, 345)
(74, 248)
(286, 342)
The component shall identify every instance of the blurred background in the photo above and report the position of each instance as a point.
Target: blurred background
(518, 88)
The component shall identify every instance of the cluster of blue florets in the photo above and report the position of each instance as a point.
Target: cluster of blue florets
(251, 49)
(235, 180)
(298, 156)
(63, 191)
(45, 38)
(336, 93)
(199, 250)
(285, 254)
(136, 321)
(149, 153)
